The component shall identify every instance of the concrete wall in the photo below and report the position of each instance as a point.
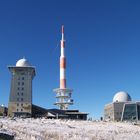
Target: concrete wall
(118, 109)
(113, 111)
(109, 111)
(13, 107)
(20, 99)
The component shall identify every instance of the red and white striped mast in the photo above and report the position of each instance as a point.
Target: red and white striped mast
(63, 94)
(62, 62)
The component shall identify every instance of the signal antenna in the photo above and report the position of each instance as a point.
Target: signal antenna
(63, 94)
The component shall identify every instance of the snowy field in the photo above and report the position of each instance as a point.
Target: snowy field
(45, 129)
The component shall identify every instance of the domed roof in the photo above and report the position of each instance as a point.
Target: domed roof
(22, 63)
(121, 97)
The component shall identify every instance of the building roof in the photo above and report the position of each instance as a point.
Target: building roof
(76, 113)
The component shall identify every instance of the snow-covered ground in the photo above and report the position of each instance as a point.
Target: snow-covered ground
(45, 129)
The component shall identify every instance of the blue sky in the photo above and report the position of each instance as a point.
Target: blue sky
(102, 48)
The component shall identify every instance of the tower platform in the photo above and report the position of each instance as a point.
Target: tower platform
(63, 98)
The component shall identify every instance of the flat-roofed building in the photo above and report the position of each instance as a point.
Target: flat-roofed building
(122, 108)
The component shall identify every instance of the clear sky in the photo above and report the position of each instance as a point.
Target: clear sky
(102, 48)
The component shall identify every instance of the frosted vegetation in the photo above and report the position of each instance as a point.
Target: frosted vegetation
(45, 129)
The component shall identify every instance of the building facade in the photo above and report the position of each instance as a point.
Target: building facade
(67, 114)
(113, 111)
(20, 100)
(131, 111)
(122, 108)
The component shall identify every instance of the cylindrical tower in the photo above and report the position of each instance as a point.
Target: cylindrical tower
(62, 62)
(63, 94)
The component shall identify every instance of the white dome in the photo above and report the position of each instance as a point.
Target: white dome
(121, 97)
(22, 63)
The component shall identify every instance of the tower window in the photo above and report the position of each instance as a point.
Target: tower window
(22, 78)
(21, 104)
(18, 83)
(18, 88)
(22, 83)
(17, 99)
(18, 93)
(21, 99)
(22, 93)
(22, 88)
(17, 104)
